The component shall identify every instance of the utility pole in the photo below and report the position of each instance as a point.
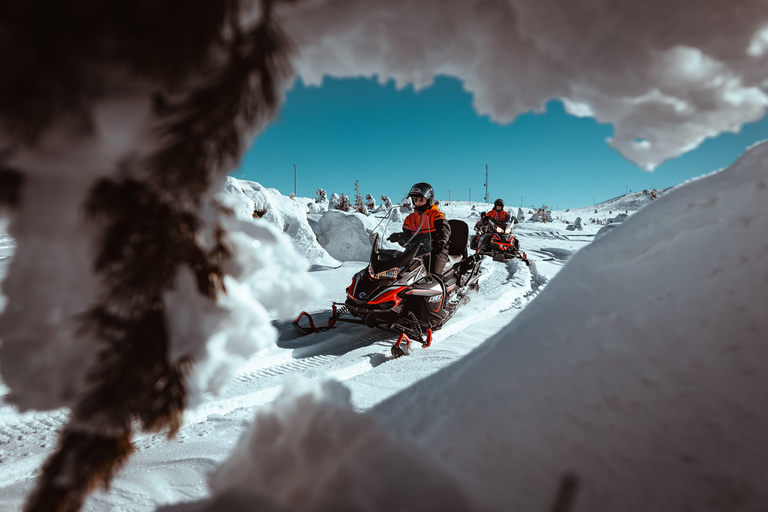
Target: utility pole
(449, 197)
(486, 183)
(294, 180)
(470, 194)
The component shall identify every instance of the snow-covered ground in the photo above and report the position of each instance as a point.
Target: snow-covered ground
(636, 364)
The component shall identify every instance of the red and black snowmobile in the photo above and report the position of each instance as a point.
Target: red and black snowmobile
(396, 292)
(496, 240)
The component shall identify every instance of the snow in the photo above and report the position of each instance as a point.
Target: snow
(665, 75)
(288, 214)
(635, 362)
(346, 235)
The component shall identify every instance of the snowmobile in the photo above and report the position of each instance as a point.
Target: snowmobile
(496, 240)
(396, 291)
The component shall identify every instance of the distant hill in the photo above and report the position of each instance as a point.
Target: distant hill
(632, 201)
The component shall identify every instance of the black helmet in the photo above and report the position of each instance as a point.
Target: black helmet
(423, 189)
(499, 202)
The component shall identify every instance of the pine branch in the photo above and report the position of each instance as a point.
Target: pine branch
(54, 54)
(204, 133)
(151, 226)
(146, 242)
(82, 462)
(133, 379)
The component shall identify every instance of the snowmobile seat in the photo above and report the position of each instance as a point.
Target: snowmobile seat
(457, 243)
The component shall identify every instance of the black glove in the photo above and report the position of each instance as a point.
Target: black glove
(394, 237)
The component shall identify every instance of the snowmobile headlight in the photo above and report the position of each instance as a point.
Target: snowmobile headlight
(387, 274)
(508, 230)
(499, 229)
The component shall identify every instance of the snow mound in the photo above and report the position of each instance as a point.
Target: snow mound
(632, 201)
(265, 279)
(345, 235)
(249, 199)
(309, 450)
(612, 224)
(650, 391)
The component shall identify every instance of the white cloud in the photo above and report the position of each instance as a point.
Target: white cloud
(669, 72)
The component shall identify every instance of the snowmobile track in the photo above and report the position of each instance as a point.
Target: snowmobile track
(308, 358)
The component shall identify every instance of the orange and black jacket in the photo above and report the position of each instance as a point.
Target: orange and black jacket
(501, 216)
(432, 221)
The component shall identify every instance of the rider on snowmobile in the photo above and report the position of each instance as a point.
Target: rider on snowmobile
(479, 229)
(427, 219)
(498, 213)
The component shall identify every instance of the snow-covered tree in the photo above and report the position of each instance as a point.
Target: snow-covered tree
(520, 215)
(123, 133)
(344, 204)
(334, 201)
(387, 202)
(651, 193)
(542, 215)
(320, 204)
(359, 206)
(575, 226)
(370, 202)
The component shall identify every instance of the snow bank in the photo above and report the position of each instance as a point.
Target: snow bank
(266, 279)
(642, 368)
(288, 214)
(345, 235)
(50, 283)
(45, 355)
(309, 450)
(631, 201)
(612, 224)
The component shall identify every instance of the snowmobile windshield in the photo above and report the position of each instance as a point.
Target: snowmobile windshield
(388, 226)
(381, 232)
(393, 257)
(422, 240)
(391, 262)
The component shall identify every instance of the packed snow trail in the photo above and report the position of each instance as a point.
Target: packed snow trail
(354, 354)
(343, 353)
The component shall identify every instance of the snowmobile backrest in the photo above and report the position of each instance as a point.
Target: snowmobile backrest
(457, 244)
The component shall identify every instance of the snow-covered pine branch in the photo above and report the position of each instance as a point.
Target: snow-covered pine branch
(136, 125)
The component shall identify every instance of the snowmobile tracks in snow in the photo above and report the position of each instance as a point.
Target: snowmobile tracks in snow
(549, 235)
(31, 435)
(511, 285)
(308, 358)
(297, 366)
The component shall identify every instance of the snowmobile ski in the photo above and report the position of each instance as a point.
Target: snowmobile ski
(397, 349)
(336, 313)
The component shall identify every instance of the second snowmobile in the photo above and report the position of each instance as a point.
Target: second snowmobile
(496, 240)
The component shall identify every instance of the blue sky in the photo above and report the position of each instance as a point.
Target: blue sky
(356, 129)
